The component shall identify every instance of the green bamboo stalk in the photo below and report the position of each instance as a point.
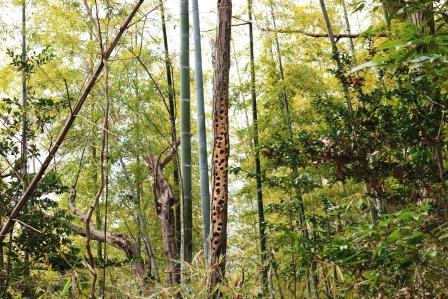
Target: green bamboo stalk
(259, 191)
(202, 138)
(185, 132)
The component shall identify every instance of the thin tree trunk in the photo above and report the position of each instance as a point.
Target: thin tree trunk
(99, 247)
(294, 163)
(220, 157)
(424, 20)
(172, 113)
(142, 224)
(282, 73)
(336, 54)
(102, 167)
(348, 28)
(259, 191)
(60, 139)
(100, 256)
(24, 145)
(153, 268)
(10, 254)
(2, 268)
(185, 133)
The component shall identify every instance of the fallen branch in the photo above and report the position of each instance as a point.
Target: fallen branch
(118, 241)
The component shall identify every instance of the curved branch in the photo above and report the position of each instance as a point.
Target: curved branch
(170, 155)
(119, 241)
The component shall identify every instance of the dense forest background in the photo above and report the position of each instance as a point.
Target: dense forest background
(254, 149)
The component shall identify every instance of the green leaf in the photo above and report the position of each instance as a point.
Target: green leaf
(394, 236)
(392, 44)
(445, 236)
(370, 275)
(416, 238)
(67, 286)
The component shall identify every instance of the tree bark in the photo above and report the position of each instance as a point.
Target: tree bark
(164, 203)
(424, 20)
(221, 147)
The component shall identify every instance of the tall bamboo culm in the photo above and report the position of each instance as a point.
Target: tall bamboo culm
(185, 132)
(202, 137)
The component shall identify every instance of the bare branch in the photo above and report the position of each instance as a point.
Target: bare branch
(170, 155)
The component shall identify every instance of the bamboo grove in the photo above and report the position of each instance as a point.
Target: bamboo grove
(228, 149)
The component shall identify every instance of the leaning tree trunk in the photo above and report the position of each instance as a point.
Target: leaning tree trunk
(336, 55)
(220, 158)
(164, 202)
(348, 28)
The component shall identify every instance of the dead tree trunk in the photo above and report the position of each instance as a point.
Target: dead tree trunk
(220, 158)
(118, 241)
(164, 201)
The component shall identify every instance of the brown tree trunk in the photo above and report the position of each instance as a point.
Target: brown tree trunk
(164, 201)
(2, 270)
(424, 19)
(220, 160)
